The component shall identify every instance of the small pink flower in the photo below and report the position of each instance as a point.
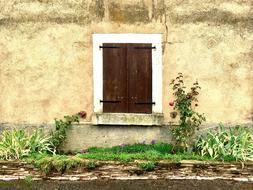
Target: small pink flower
(171, 103)
(122, 145)
(82, 114)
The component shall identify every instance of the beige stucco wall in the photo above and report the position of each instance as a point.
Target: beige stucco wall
(46, 53)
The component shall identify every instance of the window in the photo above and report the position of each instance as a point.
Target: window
(127, 71)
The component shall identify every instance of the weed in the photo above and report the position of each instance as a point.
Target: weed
(28, 179)
(147, 166)
(59, 163)
(91, 165)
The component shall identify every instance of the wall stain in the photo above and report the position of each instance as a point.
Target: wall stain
(214, 16)
(45, 19)
(97, 8)
(80, 12)
(128, 13)
(158, 10)
(4, 53)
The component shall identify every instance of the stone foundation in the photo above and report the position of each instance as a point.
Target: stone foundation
(188, 169)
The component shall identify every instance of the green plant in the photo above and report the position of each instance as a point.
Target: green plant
(16, 144)
(28, 179)
(162, 148)
(60, 163)
(190, 120)
(91, 165)
(13, 144)
(147, 166)
(153, 154)
(40, 143)
(131, 152)
(59, 134)
(236, 143)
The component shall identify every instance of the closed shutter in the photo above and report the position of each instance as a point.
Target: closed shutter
(114, 78)
(127, 78)
(139, 60)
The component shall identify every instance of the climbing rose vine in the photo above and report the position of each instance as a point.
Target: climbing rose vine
(189, 120)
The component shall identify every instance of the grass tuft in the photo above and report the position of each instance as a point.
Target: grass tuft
(147, 166)
(91, 165)
(162, 148)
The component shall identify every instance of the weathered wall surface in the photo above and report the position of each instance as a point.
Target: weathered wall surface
(46, 53)
(81, 137)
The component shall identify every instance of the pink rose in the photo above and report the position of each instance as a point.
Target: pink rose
(171, 103)
(82, 114)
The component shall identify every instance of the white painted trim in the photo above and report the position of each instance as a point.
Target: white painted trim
(155, 39)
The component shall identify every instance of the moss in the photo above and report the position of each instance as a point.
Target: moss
(28, 179)
(16, 185)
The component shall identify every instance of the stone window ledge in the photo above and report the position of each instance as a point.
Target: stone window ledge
(127, 119)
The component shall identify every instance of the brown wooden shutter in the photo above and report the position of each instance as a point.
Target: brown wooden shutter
(139, 63)
(114, 78)
(127, 78)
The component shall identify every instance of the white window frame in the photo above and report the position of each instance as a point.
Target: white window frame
(154, 39)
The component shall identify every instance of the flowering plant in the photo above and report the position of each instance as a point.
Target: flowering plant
(59, 135)
(153, 141)
(184, 104)
(82, 114)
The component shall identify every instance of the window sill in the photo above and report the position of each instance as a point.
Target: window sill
(127, 119)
